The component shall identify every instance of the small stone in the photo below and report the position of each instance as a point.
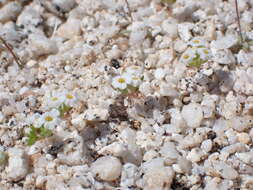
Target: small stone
(195, 155)
(96, 114)
(243, 138)
(107, 168)
(184, 30)
(17, 164)
(156, 175)
(225, 170)
(41, 45)
(224, 57)
(180, 46)
(246, 157)
(79, 121)
(70, 29)
(206, 145)
(64, 5)
(10, 11)
(159, 73)
(192, 114)
(226, 42)
(170, 28)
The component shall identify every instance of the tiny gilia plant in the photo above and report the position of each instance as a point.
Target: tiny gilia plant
(42, 125)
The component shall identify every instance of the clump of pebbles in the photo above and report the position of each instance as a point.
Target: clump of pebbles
(131, 94)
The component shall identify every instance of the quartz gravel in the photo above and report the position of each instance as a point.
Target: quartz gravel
(139, 114)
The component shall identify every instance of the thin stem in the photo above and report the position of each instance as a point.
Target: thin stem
(129, 10)
(238, 20)
(8, 47)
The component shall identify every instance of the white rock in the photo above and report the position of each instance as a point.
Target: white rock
(79, 121)
(70, 29)
(224, 57)
(184, 164)
(206, 145)
(29, 16)
(145, 88)
(64, 5)
(116, 149)
(192, 114)
(96, 114)
(149, 155)
(159, 73)
(107, 168)
(168, 90)
(128, 175)
(243, 138)
(170, 28)
(195, 155)
(184, 30)
(1, 117)
(225, 42)
(17, 164)
(180, 46)
(41, 45)
(156, 175)
(10, 11)
(246, 157)
(168, 150)
(225, 170)
(245, 58)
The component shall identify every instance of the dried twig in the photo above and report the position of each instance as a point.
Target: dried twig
(129, 10)
(238, 20)
(8, 47)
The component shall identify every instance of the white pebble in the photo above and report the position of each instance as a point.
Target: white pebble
(192, 114)
(107, 168)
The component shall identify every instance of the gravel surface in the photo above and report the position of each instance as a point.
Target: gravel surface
(126, 94)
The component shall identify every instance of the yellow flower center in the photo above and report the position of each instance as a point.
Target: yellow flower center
(54, 98)
(135, 78)
(206, 51)
(121, 80)
(49, 118)
(186, 56)
(196, 41)
(69, 96)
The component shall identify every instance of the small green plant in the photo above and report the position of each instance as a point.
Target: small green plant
(63, 109)
(196, 61)
(168, 2)
(37, 134)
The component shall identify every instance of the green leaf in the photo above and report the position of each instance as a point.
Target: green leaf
(63, 109)
(169, 2)
(196, 61)
(44, 132)
(32, 136)
(124, 92)
(132, 88)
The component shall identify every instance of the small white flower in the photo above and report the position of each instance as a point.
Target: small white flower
(50, 119)
(54, 99)
(34, 120)
(69, 98)
(197, 42)
(135, 80)
(121, 81)
(188, 55)
(204, 53)
(134, 70)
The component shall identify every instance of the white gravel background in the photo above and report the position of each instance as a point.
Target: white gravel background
(179, 126)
